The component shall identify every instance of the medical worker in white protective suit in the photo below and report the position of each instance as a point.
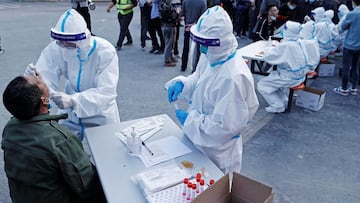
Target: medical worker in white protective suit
(342, 12)
(322, 32)
(221, 92)
(335, 42)
(90, 68)
(291, 60)
(310, 45)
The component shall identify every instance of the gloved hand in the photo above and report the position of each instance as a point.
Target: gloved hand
(31, 70)
(307, 18)
(181, 116)
(62, 100)
(174, 90)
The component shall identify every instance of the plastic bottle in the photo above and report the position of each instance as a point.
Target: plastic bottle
(134, 143)
(269, 42)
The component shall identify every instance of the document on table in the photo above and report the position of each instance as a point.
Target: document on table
(163, 149)
(145, 128)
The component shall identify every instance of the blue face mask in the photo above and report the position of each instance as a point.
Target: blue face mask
(203, 49)
(273, 18)
(292, 7)
(311, 1)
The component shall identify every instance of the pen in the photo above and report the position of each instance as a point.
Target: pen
(147, 148)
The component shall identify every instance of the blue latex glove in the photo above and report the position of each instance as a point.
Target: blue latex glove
(174, 90)
(181, 116)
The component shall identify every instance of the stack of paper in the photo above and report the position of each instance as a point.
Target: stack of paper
(145, 128)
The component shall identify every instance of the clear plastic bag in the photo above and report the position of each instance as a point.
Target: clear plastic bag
(160, 177)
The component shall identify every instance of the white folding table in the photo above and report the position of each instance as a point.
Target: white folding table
(116, 167)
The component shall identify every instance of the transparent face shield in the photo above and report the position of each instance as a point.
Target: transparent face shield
(198, 41)
(66, 44)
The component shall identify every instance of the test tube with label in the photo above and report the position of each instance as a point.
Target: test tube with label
(186, 181)
(202, 186)
(198, 178)
(193, 192)
(188, 193)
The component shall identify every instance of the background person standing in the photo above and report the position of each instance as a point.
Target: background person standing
(125, 15)
(191, 11)
(351, 52)
(81, 6)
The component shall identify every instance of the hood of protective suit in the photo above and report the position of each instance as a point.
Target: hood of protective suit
(318, 14)
(329, 15)
(71, 27)
(307, 30)
(342, 11)
(214, 29)
(291, 30)
(309, 44)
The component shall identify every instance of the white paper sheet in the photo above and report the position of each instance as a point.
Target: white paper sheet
(163, 149)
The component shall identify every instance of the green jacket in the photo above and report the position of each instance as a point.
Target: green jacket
(44, 162)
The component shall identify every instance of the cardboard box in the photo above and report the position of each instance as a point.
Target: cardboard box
(326, 69)
(310, 98)
(243, 190)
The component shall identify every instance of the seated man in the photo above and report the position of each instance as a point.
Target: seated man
(267, 24)
(44, 162)
(292, 68)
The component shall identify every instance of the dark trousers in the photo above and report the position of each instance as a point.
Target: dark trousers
(185, 53)
(84, 11)
(155, 28)
(169, 36)
(241, 21)
(176, 48)
(145, 12)
(350, 67)
(124, 21)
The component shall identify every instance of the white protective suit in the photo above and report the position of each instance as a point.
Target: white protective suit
(322, 32)
(91, 73)
(342, 12)
(335, 41)
(221, 93)
(292, 65)
(310, 45)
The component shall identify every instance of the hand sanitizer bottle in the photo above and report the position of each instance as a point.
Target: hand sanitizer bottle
(134, 143)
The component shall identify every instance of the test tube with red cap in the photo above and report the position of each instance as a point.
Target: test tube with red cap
(188, 193)
(193, 192)
(186, 181)
(198, 179)
(212, 181)
(202, 186)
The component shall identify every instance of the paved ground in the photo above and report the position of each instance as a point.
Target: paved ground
(305, 156)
